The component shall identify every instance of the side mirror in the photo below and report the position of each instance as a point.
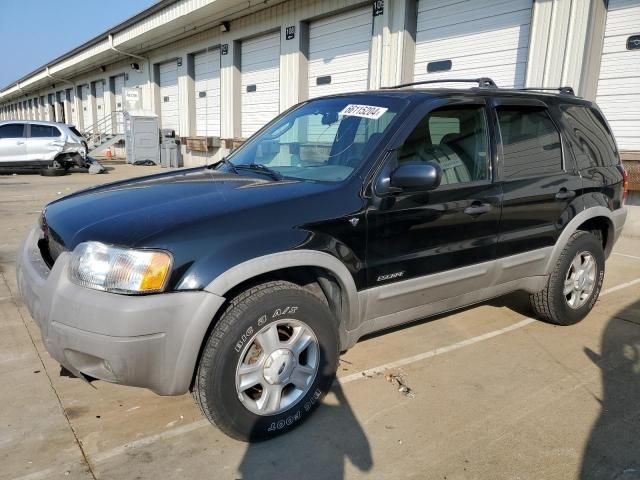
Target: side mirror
(416, 176)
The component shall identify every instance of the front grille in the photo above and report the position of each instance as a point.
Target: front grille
(50, 248)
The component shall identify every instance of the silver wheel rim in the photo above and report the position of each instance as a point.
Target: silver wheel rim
(277, 367)
(580, 280)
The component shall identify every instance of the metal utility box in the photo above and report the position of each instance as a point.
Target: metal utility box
(170, 155)
(141, 136)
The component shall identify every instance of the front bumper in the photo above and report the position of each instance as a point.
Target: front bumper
(150, 341)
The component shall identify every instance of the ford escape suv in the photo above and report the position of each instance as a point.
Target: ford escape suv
(242, 281)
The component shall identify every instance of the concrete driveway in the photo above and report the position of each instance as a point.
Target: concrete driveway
(496, 395)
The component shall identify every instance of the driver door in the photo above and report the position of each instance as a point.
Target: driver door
(425, 246)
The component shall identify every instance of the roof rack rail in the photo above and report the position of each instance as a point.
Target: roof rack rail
(483, 82)
(562, 90)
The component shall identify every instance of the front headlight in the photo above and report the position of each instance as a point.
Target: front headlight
(119, 270)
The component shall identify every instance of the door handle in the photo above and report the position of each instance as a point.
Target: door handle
(20, 142)
(478, 208)
(565, 194)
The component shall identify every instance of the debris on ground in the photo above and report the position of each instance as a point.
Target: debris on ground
(94, 166)
(403, 388)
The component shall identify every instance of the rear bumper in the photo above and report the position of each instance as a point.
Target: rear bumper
(149, 341)
(618, 217)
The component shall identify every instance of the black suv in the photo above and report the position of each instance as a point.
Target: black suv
(243, 281)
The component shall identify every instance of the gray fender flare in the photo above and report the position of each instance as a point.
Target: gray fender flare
(573, 225)
(296, 258)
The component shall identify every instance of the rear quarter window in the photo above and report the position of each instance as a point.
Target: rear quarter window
(592, 142)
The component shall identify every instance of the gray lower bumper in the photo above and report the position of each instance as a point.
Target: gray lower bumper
(148, 341)
(618, 218)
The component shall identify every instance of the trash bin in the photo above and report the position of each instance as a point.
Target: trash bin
(170, 156)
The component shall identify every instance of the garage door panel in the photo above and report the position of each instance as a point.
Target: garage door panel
(339, 48)
(491, 27)
(618, 93)
(357, 40)
(260, 67)
(255, 47)
(86, 111)
(207, 81)
(620, 65)
(471, 11)
(345, 23)
(514, 45)
(340, 63)
(480, 38)
(169, 101)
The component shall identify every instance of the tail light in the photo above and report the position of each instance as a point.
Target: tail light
(625, 185)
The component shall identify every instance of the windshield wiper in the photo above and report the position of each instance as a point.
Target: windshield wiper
(258, 167)
(224, 161)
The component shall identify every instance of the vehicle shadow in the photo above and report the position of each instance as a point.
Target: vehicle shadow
(613, 448)
(318, 449)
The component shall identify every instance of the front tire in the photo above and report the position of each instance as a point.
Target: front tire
(268, 361)
(575, 283)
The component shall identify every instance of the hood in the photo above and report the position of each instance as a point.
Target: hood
(135, 212)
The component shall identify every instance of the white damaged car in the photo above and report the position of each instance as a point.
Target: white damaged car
(51, 147)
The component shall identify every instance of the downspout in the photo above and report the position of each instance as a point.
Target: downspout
(58, 79)
(139, 57)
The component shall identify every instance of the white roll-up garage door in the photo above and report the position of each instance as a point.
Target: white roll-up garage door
(207, 93)
(618, 90)
(260, 94)
(86, 111)
(99, 92)
(169, 99)
(339, 53)
(473, 38)
(118, 92)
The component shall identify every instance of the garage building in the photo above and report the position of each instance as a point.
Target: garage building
(215, 72)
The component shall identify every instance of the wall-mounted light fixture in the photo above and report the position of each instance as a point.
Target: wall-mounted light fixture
(103, 68)
(135, 66)
(225, 26)
(179, 61)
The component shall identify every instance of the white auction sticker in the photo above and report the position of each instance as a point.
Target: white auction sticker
(364, 111)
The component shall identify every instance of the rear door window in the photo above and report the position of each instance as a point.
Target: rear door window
(12, 130)
(44, 131)
(530, 142)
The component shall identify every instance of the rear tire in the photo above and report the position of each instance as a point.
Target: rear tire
(575, 283)
(268, 361)
(53, 172)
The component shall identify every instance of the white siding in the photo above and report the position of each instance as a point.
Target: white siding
(118, 87)
(169, 99)
(86, 109)
(207, 93)
(618, 92)
(339, 47)
(482, 38)
(260, 67)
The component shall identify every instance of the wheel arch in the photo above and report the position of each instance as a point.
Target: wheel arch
(593, 218)
(334, 280)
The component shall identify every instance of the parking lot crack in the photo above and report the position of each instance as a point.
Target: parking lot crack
(46, 371)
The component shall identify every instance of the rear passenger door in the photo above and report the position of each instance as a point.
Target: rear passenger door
(538, 178)
(44, 142)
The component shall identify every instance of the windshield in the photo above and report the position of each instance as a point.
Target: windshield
(323, 140)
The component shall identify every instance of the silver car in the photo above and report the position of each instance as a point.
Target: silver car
(51, 147)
